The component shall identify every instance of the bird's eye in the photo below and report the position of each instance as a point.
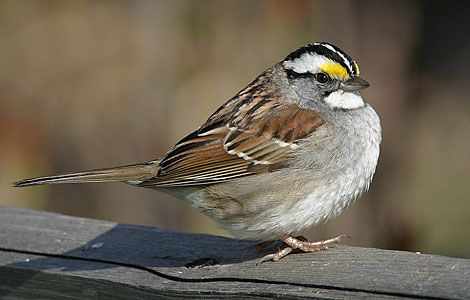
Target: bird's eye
(321, 77)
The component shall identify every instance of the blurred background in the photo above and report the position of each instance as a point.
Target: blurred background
(90, 84)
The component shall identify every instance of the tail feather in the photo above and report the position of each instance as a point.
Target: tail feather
(132, 174)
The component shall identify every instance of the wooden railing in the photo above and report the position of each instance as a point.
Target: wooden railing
(51, 256)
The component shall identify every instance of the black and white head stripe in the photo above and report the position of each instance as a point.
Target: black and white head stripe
(309, 58)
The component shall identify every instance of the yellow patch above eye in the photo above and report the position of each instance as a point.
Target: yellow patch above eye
(334, 69)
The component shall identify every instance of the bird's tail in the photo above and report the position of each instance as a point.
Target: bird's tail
(132, 174)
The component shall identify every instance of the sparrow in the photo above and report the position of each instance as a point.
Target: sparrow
(288, 152)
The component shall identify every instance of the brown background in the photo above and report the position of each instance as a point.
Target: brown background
(88, 84)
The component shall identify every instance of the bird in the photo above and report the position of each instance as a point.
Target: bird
(288, 152)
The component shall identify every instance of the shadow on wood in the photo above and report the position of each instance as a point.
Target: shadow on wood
(55, 256)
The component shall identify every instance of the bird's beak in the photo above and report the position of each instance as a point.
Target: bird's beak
(354, 84)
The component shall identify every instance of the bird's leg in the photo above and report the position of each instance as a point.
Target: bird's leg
(302, 244)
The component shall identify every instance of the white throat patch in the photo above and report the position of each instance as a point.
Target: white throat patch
(344, 100)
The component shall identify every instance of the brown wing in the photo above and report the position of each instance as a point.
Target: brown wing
(260, 136)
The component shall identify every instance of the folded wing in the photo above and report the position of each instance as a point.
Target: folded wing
(261, 137)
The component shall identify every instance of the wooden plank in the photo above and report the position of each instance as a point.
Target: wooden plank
(55, 256)
(66, 278)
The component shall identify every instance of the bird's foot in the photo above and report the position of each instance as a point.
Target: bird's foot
(302, 244)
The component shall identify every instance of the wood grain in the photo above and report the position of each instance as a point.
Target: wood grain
(44, 255)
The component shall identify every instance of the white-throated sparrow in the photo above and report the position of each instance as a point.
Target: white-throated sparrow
(289, 151)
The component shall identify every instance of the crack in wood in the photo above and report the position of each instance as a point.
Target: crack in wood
(220, 279)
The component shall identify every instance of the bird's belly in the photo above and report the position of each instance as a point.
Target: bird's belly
(324, 202)
(268, 206)
(293, 203)
(268, 214)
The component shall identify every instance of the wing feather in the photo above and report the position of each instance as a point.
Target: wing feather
(233, 144)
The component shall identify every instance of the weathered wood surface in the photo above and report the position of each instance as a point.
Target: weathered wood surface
(50, 256)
